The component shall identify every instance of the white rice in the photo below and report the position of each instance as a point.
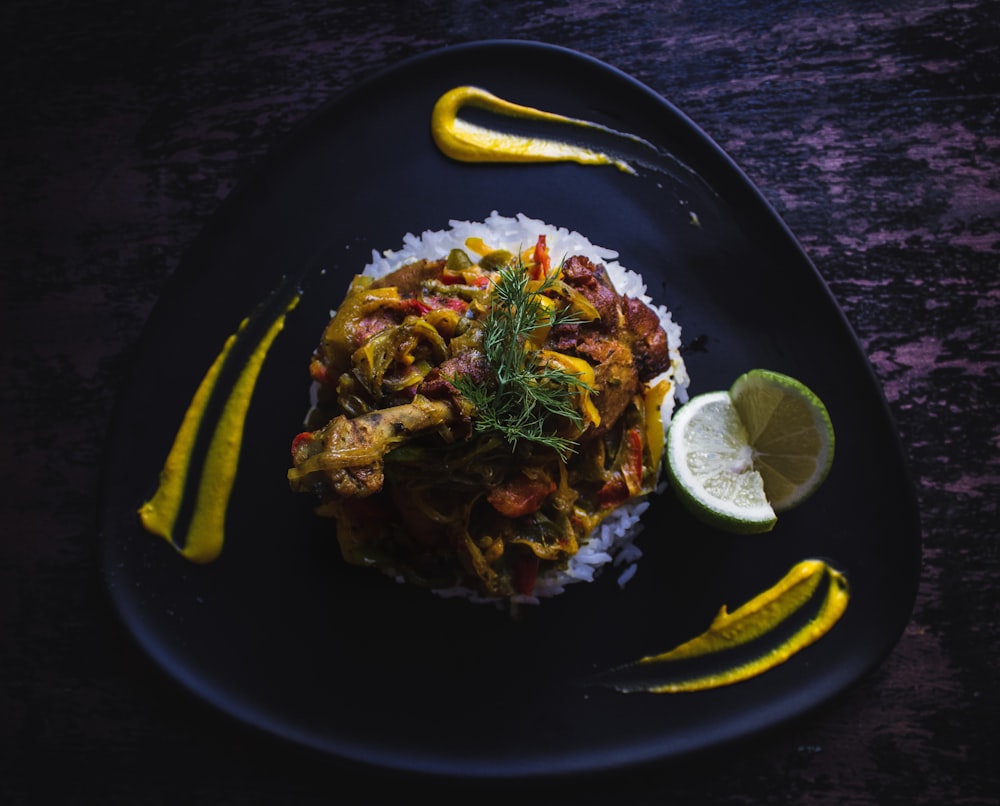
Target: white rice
(612, 540)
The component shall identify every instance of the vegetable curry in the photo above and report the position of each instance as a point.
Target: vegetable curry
(478, 415)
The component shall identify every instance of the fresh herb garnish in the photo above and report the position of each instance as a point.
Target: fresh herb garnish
(529, 391)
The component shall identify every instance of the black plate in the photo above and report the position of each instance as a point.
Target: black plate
(278, 632)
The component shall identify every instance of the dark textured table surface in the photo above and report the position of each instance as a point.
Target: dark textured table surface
(874, 131)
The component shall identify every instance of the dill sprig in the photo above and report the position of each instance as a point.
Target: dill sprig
(528, 393)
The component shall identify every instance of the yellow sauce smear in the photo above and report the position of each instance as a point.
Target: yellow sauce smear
(205, 533)
(468, 142)
(756, 618)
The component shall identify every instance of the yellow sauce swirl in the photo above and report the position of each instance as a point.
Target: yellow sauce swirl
(468, 142)
(204, 534)
(754, 620)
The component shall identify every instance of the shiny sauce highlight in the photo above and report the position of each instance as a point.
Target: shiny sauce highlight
(200, 537)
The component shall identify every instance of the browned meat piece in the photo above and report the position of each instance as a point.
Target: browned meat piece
(616, 378)
(468, 363)
(626, 347)
(367, 326)
(593, 282)
(648, 338)
(409, 277)
(617, 382)
(346, 456)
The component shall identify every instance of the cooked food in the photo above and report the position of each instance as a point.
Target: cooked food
(490, 409)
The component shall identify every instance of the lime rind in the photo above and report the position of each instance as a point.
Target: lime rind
(709, 466)
(737, 458)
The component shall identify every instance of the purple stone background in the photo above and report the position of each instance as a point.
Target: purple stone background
(872, 128)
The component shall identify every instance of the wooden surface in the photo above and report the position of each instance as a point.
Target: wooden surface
(873, 130)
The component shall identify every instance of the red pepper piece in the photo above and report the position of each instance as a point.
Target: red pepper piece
(628, 480)
(305, 436)
(520, 496)
(416, 306)
(613, 493)
(452, 277)
(540, 259)
(633, 466)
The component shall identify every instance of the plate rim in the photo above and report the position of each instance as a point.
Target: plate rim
(578, 763)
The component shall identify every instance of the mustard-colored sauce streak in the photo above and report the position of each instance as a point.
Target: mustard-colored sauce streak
(755, 619)
(468, 142)
(205, 533)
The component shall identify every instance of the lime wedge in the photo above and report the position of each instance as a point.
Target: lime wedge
(737, 458)
(790, 432)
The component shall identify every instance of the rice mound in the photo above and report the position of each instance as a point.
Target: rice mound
(612, 540)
